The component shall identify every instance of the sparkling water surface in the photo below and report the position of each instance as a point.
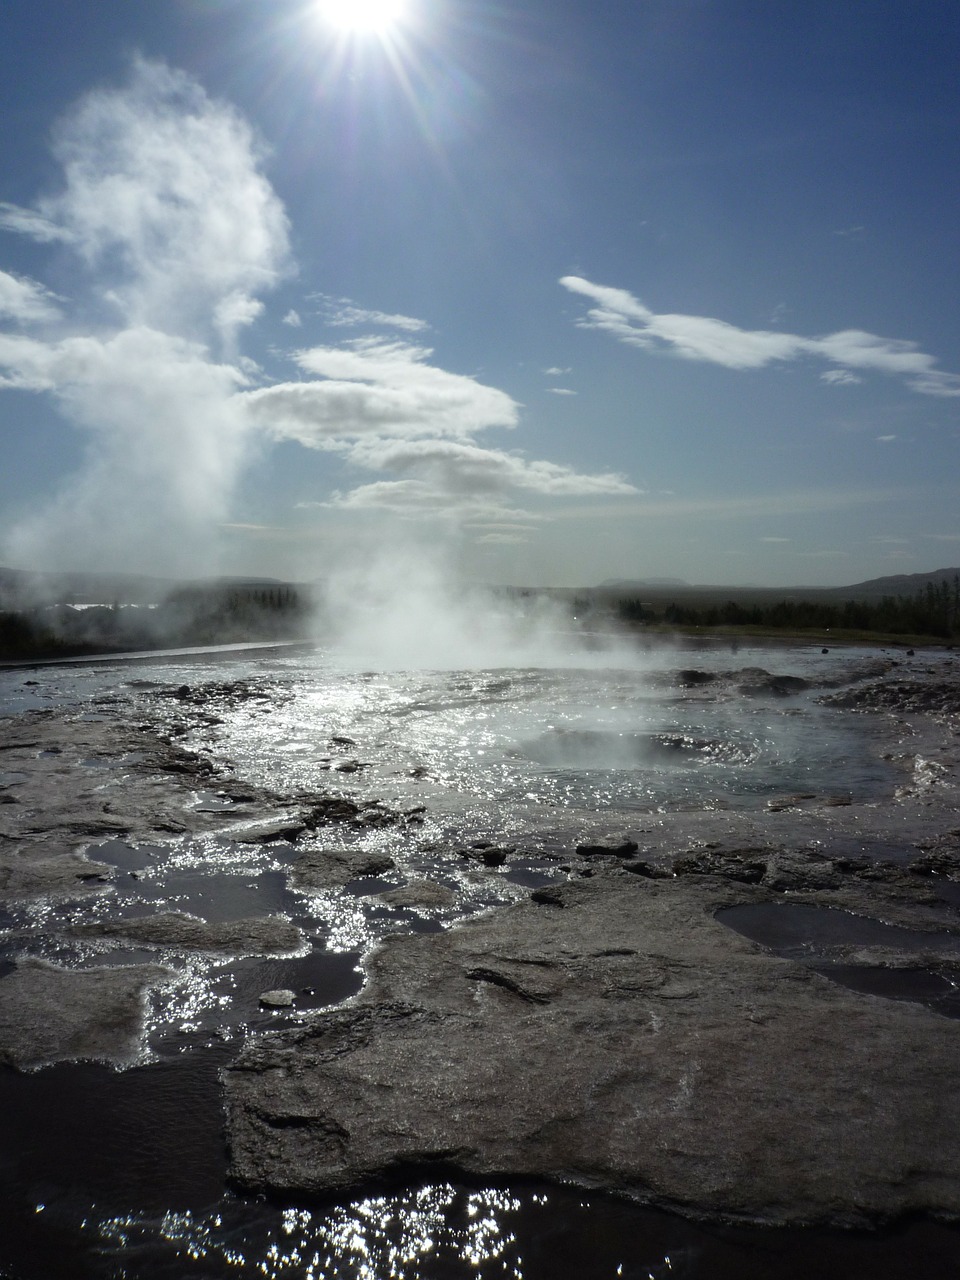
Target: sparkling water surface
(121, 1174)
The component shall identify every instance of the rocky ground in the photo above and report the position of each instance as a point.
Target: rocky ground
(648, 1024)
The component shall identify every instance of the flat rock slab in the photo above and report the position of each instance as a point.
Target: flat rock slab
(49, 1014)
(257, 936)
(333, 868)
(28, 870)
(615, 1037)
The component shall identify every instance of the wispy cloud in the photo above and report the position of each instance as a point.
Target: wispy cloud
(458, 467)
(561, 391)
(31, 223)
(25, 301)
(292, 318)
(343, 313)
(702, 338)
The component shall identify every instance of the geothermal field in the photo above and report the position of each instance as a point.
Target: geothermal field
(622, 962)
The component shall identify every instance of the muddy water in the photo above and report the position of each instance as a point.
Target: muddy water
(115, 1174)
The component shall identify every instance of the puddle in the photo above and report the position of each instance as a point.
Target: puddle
(800, 932)
(868, 848)
(219, 898)
(126, 857)
(922, 986)
(317, 980)
(797, 931)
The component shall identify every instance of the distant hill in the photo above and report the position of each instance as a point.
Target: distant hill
(22, 588)
(637, 584)
(900, 584)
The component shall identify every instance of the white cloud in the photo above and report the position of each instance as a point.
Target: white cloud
(342, 313)
(25, 301)
(292, 318)
(385, 409)
(886, 439)
(840, 377)
(379, 389)
(618, 313)
(561, 391)
(456, 467)
(419, 500)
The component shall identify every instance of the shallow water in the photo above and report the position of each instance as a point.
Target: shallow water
(113, 1174)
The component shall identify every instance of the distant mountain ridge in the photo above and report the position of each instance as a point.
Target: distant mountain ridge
(904, 584)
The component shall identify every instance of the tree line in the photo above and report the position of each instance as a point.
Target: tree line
(189, 616)
(933, 611)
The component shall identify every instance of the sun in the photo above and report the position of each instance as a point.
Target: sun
(362, 17)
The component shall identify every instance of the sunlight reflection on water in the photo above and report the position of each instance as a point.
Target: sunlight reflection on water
(408, 1235)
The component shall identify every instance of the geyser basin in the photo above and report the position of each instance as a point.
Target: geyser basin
(575, 739)
(114, 1175)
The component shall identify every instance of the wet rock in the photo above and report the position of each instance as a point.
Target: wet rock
(760, 683)
(491, 855)
(745, 865)
(332, 868)
(261, 935)
(780, 803)
(616, 849)
(281, 998)
(49, 1014)
(697, 1071)
(691, 678)
(30, 869)
(789, 871)
(907, 696)
(268, 830)
(550, 895)
(419, 893)
(643, 867)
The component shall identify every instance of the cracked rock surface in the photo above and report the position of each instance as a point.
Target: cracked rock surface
(616, 1037)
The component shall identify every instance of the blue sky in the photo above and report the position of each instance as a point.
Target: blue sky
(661, 288)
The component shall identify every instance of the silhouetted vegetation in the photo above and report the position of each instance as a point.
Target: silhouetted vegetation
(191, 615)
(934, 611)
